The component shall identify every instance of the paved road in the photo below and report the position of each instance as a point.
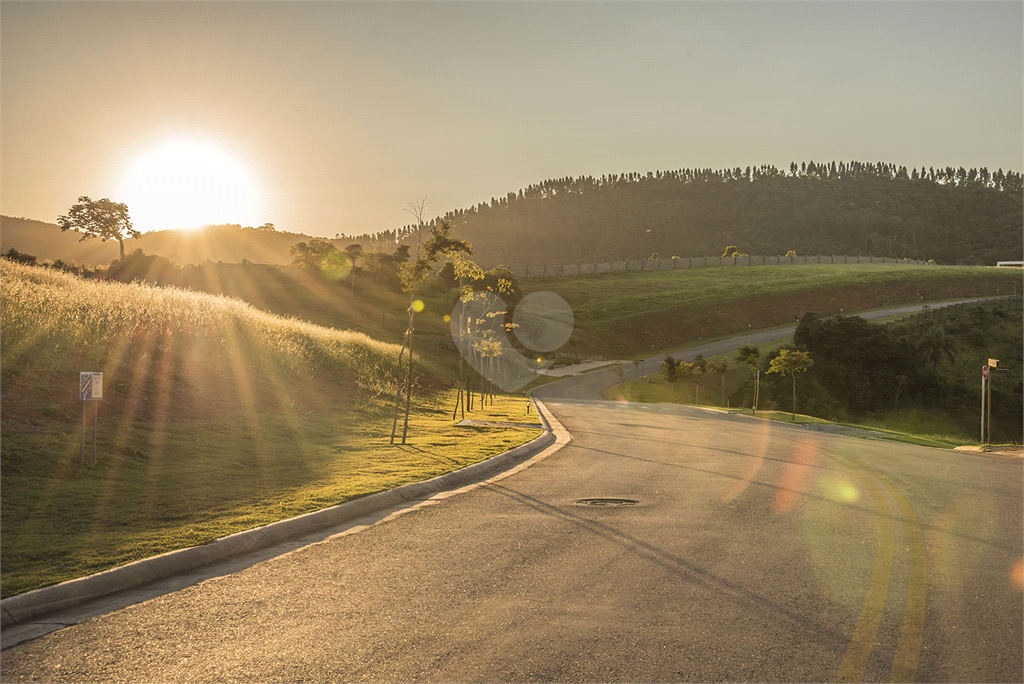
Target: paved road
(756, 551)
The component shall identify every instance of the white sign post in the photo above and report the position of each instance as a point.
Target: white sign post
(90, 388)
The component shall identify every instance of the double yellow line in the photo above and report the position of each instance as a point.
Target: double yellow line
(862, 641)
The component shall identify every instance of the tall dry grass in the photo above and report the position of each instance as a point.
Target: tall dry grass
(53, 323)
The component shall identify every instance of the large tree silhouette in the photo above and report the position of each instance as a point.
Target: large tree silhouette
(102, 218)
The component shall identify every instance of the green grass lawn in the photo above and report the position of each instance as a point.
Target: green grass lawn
(158, 488)
(216, 418)
(628, 314)
(938, 440)
(919, 430)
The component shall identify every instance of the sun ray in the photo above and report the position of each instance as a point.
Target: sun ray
(125, 430)
(172, 354)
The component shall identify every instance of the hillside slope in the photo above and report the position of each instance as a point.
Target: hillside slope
(629, 314)
(157, 341)
(48, 242)
(210, 407)
(954, 216)
(228, 243)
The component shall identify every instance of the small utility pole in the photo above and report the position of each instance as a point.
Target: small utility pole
(984, 384)
(988, 404)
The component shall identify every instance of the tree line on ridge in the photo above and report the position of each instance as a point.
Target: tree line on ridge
(951, 215)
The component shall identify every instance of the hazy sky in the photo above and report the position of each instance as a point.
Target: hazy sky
(346, 112)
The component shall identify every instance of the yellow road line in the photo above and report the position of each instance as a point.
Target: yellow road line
(911, 639)
(908, 647)
(862, 641)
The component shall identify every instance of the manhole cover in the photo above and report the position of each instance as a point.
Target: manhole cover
(607, 502)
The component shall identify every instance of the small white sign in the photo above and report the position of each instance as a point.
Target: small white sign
(90, 386)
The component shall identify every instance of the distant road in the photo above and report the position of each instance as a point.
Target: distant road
(756, 551)
(590, 388)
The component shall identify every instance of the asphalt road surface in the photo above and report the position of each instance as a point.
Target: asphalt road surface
(756, 551)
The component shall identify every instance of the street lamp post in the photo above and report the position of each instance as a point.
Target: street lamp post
(984, 384)
(986, 397)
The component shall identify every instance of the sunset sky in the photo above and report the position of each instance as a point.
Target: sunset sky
(332, 117)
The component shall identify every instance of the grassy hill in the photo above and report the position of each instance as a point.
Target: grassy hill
(216, 417)
(230, 244)
(633, 314)
(626, 314)
(617, 315)
(47, 242)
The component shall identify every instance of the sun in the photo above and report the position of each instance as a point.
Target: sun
(188, 184)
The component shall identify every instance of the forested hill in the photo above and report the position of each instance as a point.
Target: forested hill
(954, 216)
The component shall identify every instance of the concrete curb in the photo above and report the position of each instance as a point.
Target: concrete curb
(23, 607)
(1012, 451)
(538, 405)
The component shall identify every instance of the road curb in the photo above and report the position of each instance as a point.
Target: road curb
(32, 604)
(1011, 451)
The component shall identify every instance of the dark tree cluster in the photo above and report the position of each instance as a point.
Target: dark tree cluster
(862, 369)
(58, 265)
(317, 257)
(951, 215)
(20, 257)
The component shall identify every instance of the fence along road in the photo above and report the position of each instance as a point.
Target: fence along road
(676, 263)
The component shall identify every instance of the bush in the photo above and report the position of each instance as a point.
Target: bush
(20, 257)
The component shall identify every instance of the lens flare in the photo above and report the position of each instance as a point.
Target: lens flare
(838, 488)
(335, 265)
(480, 333)
(792, 481)
(753, 466)
(417, 305)
(1017, 575)
(543, 320)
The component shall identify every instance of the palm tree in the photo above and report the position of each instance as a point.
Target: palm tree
(685, 370)
(750, 356)
(934, 345)
(700, 365)
(720, 367)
